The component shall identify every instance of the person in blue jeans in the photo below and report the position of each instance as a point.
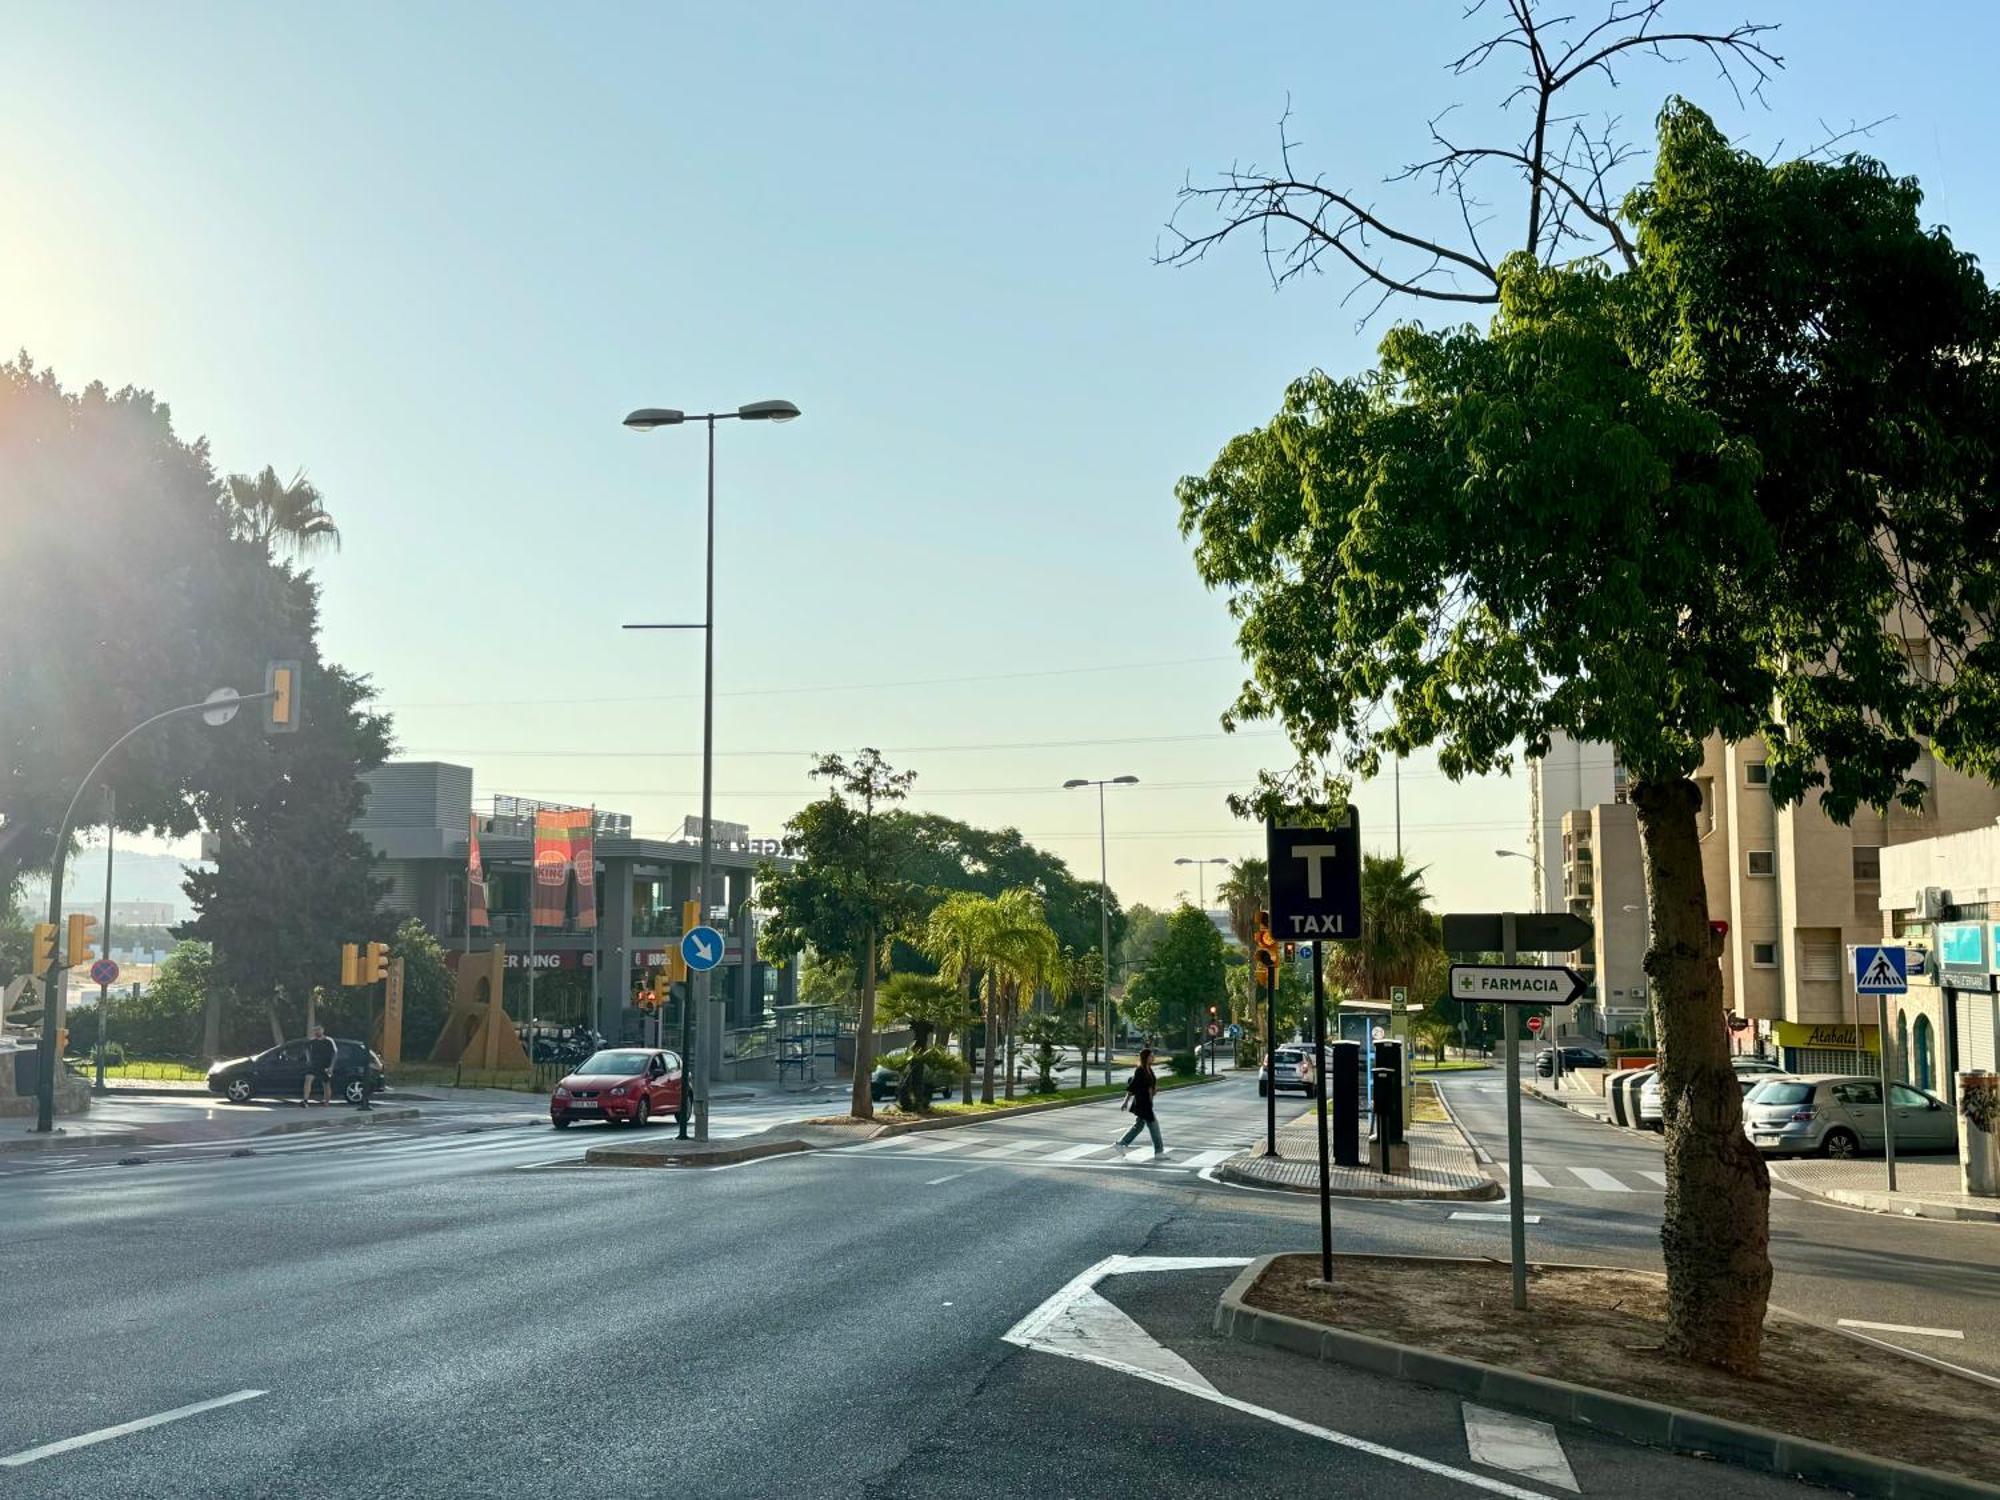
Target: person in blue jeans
(1139, 1099)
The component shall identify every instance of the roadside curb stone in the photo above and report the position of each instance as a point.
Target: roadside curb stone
(1636, 1420)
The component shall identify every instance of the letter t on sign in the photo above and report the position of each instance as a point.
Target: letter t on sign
(1313, 854)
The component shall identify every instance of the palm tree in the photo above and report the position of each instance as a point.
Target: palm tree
(276, 515)
(1029, 956)
(954, 938)
(1245, 891)
(1399, 932)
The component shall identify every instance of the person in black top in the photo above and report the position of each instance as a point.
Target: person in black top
(319, 1067)
(1139, 1099)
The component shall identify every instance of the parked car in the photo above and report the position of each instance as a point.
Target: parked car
(280, 1073)
(1295, 1070)
(1750, 1071)
(884, 1083)
(1841, 1115)
(1572, 1057)
(627, 1085)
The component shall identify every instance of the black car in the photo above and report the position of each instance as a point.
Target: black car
(1573, 1057)
(280, 1073)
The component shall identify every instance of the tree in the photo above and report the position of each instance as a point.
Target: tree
(279, 517)
(427, 985)
(847, 895)
(164, 1019)
(954, 938)
(1185, 975)
(1027, 956)
(1145, 930)
(1399, 934)
(1245, 891)
(1045, 1031)
(933, 1009)
(1724, 490)
(1435, 1033)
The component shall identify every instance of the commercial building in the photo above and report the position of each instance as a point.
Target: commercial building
(417, 818)
(1942, 895)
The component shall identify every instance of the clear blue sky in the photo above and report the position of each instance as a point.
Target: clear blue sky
(432, 253)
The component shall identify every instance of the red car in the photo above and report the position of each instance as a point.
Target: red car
(629, 1084)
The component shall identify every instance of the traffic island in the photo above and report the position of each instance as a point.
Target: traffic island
(1442, 1161)
(1589, 1350)
(661, 1149)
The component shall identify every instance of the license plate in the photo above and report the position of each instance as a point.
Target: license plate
(1765, 1140)
(577, 1107)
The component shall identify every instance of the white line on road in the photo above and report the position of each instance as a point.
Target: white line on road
(1603, 1181)
(1207, 1159)
(1933, 1333)
(1532, 1178)
(953, 1176)
(1926, 1359)
(1521, 1445)
(1076, 1153)
(105, 1434)
(1497, 1218)
(1655, 1177)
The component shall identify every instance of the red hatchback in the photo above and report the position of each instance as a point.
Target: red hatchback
(628, 1084)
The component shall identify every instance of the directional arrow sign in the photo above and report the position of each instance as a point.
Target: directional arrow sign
(1520, 984)
(702, 948)
(1534, 932)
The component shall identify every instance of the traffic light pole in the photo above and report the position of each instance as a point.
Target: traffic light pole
(104, 990)
(1270, 1060)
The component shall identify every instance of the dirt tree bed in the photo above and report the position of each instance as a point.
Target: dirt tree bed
(1605, 1328)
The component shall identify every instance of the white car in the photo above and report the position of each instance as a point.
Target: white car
(1295, 1070)
(1750, 1071)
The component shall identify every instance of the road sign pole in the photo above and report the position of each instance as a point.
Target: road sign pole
(1888, 1101)
(104, 989)
(1270, 1060)
(1517, 1229)
(1319, 1100)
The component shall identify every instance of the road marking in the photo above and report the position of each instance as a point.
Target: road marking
(1497, 1218)
(1601, 1180)
(951, 1177)
(1027, 1332)
(1926, 1359)
(1931, 1333)
(1076, 1153)
(1006, 1148)
(1207, 1159)
(1530, 1177)
(1501, 1440)
(1655, 1177)
(105, 1434)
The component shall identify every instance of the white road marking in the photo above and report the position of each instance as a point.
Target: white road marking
(1532, 1178)
(1501, 1440)
(1007, 1148)
(1076, 1153)
(1926, 1359)
(1026, 1334)
(1497, 1218)
(951, 1177)
(1207, 1159)
(1601, 1180)
(1932, 1333)
(105, 1434)
(1655, 1177)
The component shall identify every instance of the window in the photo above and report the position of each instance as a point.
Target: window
(1763, 955)
(1859, 1092)
(1868, 864)
(1820, 959)
(1907, 1097)
(1756, 773)
(1773, 1092)
(1761, 862)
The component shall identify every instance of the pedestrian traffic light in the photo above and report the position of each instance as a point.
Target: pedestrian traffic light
(281, 709)
(45, 948)
(1291, 951)
(374, 963)
(350, 964)
(82, 926)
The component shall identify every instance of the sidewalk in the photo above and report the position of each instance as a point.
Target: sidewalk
(1571, 1094)
(159, 1122)
(1442, 1165)
(1925, 1189)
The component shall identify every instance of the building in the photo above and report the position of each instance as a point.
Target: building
(1796, 889)
(1602, 879)
(1573, 776)
(417, 819)
(1942, 895)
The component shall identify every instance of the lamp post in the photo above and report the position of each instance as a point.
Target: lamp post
(1103, 907)
(1201, 875)
(645, 419)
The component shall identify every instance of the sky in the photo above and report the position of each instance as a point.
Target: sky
(431, 253)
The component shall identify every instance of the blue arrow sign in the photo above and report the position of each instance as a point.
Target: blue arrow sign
(702, 948)
(1881, 970)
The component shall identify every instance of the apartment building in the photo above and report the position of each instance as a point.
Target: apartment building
(1942, 895)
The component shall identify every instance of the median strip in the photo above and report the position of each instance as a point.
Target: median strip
(124, 1429)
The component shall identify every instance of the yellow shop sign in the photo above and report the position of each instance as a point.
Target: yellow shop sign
(1802, 1034)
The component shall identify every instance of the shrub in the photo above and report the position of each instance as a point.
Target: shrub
(1182, 1064)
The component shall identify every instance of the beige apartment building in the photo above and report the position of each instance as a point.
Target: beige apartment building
(1796, 888)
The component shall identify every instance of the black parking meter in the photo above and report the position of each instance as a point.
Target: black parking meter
(1386, 1149)
(1346, 1101)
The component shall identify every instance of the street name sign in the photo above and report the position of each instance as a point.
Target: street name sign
(1518, 984)
(702, 948)
(1316, 879)
(1534, 932)
(1882, 969)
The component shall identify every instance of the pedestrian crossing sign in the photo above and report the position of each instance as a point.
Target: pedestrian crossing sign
(1881, 970)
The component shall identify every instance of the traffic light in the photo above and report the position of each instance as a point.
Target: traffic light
(281, 709)
(350, 964)
(1211, 1013)
(1266, 945)
(1291, 951)
(81, 929)
(45, 948)
(374, 963)
(690, 916)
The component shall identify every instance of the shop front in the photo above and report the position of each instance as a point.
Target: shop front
(1828, 1047)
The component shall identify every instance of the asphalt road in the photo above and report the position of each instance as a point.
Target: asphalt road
(454, 1313)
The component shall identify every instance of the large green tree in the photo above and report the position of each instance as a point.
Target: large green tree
(1741, 485)
(1184, 976)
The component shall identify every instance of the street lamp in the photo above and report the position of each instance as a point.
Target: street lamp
(645, 419)
(1201, 876)
(1103, 908)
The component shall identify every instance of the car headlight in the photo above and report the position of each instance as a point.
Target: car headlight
(561, 1092)
(619, 1092)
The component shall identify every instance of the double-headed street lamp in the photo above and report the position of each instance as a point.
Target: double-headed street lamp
(1103, 909)
(1201, 875)
(645, 419)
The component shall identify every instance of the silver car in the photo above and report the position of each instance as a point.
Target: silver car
(1295, 1070)
(1750, 1071)
(1841, 1115)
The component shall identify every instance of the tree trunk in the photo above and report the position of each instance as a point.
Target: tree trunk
(1013, 1005)
(965, 1042)
(1716, 1234)
(863, 1107)
(986, 1052)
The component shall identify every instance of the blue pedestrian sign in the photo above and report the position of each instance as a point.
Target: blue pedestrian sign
(702, 948)
(1881, 970)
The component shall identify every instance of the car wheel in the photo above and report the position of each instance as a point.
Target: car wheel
(356, 1091)
(1840, 1144)
(641, 1113)
(561, 1122)
(239, 1091)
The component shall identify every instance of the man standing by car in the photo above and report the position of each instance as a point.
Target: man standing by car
(319, 1066)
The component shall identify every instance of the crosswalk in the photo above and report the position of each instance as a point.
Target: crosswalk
(1548, 1177)
(1038, 1151)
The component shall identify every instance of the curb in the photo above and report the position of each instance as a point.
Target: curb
(1638, 1421)
(1896, 1205)
(1530, 1091)
(721, 1156)
(1483, 1192)
(59, 1141)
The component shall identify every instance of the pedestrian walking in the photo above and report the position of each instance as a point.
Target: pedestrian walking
(319, 1067)
(1139, 1093)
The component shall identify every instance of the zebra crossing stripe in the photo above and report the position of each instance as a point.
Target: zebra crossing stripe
(1659, 1178)
(1530, 1177)
(1075, 1153)
(1206, 1159)
(1602, 1181)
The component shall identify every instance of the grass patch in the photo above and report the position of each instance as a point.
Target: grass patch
(139, 1069)
(1451, 1065)
(1425, 1107)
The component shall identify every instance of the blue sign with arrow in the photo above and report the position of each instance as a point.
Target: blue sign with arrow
(702, 948)
(1881, 970)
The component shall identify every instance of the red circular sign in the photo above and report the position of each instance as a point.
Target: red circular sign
(1534, 1025)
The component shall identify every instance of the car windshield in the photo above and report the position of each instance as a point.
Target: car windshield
(1773, 1091)
(606, 1064)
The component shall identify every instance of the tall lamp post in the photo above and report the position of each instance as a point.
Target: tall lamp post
(1103, 907)
(1201, 875)
(645, 419)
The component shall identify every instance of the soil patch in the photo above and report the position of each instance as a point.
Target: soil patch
(1605, 1328)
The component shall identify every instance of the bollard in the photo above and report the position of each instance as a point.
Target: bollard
(1979, 1130)
(1387, 1150)
(1346, 1102)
